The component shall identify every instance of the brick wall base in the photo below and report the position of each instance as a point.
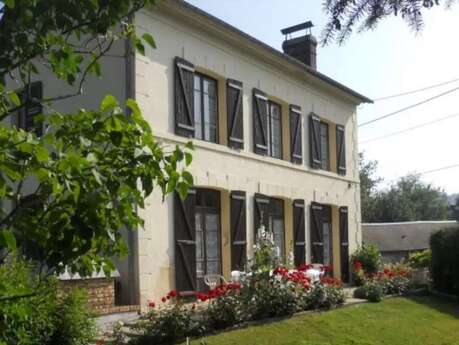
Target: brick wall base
(101, 294)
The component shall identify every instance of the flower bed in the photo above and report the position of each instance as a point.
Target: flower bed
(391, 280)
(270, 289)
(282, 293)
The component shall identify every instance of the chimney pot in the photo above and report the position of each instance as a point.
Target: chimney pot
(303, 48)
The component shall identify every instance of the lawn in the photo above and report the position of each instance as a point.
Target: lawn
(396, 321)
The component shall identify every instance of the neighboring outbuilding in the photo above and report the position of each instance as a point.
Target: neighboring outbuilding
(397, 240)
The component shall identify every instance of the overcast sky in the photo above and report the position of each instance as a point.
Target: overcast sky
(390, 60)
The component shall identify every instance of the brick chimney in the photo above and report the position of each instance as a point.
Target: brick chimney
(302, 48)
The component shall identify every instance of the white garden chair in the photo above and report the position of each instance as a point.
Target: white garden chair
(212, 280)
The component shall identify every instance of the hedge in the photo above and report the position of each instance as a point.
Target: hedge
(445, 260)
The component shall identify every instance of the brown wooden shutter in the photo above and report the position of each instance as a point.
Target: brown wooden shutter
(296, 150)
(261, 212)
(314, 141)
(235, 117)
(316, 234)
(185, 242)
(344, 242)
(238, 230)
(184, 100)
(340, 150)
(260, 122)
(299, 251)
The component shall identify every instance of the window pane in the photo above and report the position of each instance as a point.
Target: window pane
(278, 232)
(197, 108)
(210, 110)
(275, 131)
(324, 146)
(326, 243)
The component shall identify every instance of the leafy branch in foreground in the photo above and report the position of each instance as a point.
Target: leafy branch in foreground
(88, 176)
(345, 15)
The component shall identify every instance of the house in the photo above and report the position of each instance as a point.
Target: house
(397, 240)
(275, 144)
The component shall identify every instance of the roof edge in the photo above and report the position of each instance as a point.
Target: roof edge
(273, 51)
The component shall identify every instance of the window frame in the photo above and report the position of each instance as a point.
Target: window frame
(270, 103)
(325, 164)
(277, 211)
(202, 77)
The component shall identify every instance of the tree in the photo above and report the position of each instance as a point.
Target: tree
(91, 169)
(345, 15)
(368, 187)
(410, 199)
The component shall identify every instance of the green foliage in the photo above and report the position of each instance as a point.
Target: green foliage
(32, 312)
(409, 199)
(347, 16)
(420, 259)
(74, 323)
(225, 311)
(167, 325)
(368, 187)
(323, 296)
(369, 257)
(445, 260)
(371, 290)
(92, 173)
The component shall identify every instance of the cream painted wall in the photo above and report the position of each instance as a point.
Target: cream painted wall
(217, 166)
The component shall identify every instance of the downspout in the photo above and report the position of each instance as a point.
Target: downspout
(132, 234)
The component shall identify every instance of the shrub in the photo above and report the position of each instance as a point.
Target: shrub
(369, 257)
(36, 314)
(74, 323)
(226, 310)
(168, 324)
(445, 260)
(371, 290)
(324, 296)
(268, 298)
(420, 259)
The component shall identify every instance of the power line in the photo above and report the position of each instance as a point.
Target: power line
(409, 107)
(415, 91)
(410, 129)
(428, 171)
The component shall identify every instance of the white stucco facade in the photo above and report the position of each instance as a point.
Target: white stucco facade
(221, 53)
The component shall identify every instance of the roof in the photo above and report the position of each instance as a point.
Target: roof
(270, 50)
(405, 236)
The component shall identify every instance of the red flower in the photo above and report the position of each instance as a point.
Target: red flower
(164, 299)
(357, 265)
(151, 304)
(172, 293)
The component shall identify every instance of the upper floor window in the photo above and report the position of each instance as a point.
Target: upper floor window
(205, 108)
(274, 130)
(324, 146)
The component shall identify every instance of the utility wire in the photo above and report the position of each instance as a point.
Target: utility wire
(410, 129)
(415, 91)
(409, 107)
(428, 171)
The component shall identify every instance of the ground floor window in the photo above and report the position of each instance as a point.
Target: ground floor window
(276, 224)
(208, 235)
(321, 235)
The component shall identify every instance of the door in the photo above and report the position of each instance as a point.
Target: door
(344, 243)
(208, 236)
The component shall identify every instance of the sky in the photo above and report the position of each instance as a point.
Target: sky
(389, 60)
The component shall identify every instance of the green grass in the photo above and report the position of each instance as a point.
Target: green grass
(397, 321)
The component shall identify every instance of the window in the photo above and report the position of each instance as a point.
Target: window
(274, 130)
(324, 146)
(25, 115)
(276, 224)
(207, 224)
(205, 108)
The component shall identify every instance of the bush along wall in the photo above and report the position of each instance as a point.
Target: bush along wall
(445, 260)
